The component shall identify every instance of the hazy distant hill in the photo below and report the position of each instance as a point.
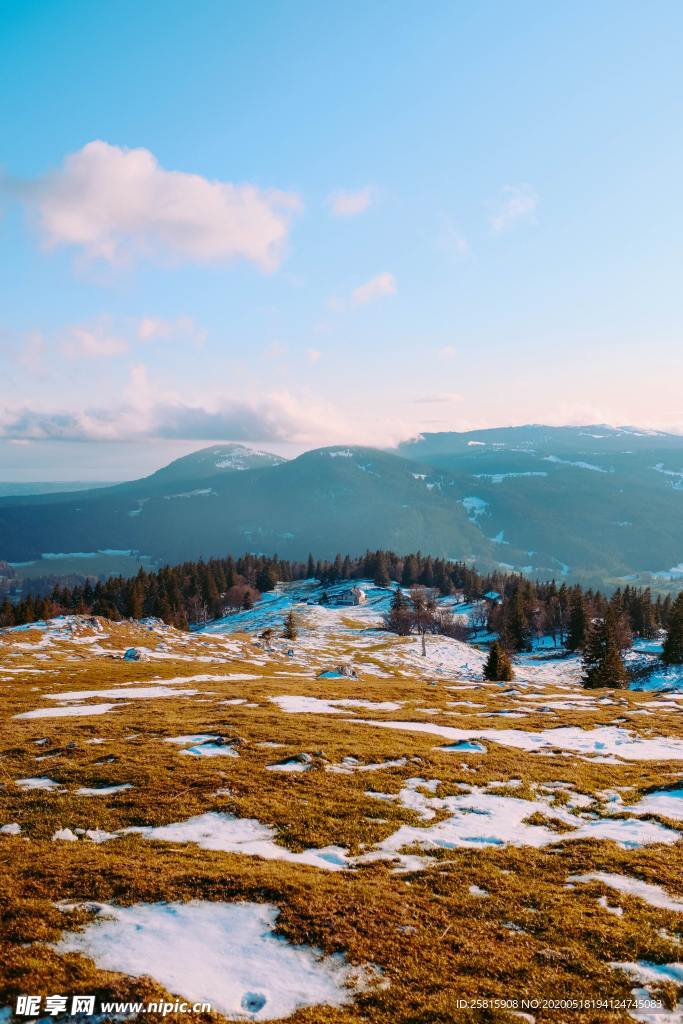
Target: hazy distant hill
(209, 462)
(600, 500)
(18, 490)
(587, 502)
(325, 501)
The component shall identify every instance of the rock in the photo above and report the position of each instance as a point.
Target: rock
(339, 672)
(133, 654)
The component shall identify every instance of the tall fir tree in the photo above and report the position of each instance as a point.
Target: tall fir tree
(518, 627)
(673, 645)
(399, 618)
(410, 571)
(603, 664)
(578, 623)
(381, 576)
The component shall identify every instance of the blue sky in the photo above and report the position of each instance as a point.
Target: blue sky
(297, 223)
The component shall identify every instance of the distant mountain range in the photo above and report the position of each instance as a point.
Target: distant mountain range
(580, 502)
(19, 489)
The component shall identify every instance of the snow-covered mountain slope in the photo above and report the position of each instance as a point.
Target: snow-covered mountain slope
(208, 462)
(593, 502)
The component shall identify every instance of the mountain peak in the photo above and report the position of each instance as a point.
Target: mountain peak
(216, 459)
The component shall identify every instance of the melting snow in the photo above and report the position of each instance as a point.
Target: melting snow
(668, 803)
(475, 507)
(484, 819)
(226, 954)
(203, 745)
(210, 750)
(655, 895)
(67, 712)
(102, 790)
(38, 783)
(314, 705)
(579, 465)
(120, 693)
(603, 740)
(649, 973)
(217, 831)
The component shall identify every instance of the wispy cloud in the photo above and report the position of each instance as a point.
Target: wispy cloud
(350, 204)
(120, 205)
(93, 341)
(145, 413)
(516, 203)
(154, 328)
(376, 288)
(314, 355)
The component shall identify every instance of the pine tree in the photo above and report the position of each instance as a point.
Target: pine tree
(673, 645)
(603, 664)
(498, 667)
(6, 614)
(266, 578)
(290, 631)
(399, 619)
(382, 578)
(517, 625)
(410, 571)
(578, 623)
(136, 600)
(642, 614)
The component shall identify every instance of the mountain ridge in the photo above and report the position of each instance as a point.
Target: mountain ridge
(584, 502)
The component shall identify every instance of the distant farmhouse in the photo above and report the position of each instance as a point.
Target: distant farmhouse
(346, 598)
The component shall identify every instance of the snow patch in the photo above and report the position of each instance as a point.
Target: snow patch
(227, 954)
(603, 740)
(218, 831)
(654, 895)
(316, 706)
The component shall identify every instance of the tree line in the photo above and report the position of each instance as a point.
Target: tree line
(518, 610)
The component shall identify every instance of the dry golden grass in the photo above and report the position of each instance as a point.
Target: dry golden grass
(433, 940)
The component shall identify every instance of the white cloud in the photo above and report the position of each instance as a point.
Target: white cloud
(154, 328)
(376, 288)
(516, 203)
(144, 413)
(313, 354)
(447, 351)
(119, 205)
(349, 204)
(93, 341)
